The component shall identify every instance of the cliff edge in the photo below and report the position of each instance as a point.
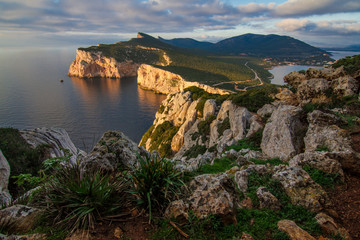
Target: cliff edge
(89, 64)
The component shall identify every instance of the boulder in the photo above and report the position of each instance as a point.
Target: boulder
(209, 108)
(210, 194)
(329, 226)
(283, 133)
(313, 90)
(267, 199)
(345, 86)
(324, 131)
(300, 188)
(318, 160)
(242, 176)
(266, 110)
(57, 140)
(5, 197)
(256, 125)
(293, 231)
(114, 149)
(18, 218)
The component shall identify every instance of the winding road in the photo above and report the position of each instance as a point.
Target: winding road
(244, 89)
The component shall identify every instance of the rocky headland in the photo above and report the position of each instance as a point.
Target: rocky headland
(270, 163)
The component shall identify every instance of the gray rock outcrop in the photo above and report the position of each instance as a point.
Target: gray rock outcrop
(114, 149)
(5, 197)
(57, 141)
(89, 64)
(18, 218)
(210, 194)
(283, 133)
(300, 188)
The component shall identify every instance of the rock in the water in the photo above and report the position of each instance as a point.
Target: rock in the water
(293, 231)
(283, 133)
(210, 194)
(318, 160)
(18, 218)
(267, 199)
(329, 226)
(5, 197)
(114, 149)
(57, 140)
(301, 189)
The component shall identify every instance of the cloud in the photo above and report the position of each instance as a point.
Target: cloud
(165, 16)
(315, 7)
(335, 27)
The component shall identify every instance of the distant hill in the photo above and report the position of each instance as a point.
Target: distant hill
(188, 43)
(354, 48)
(273, 46)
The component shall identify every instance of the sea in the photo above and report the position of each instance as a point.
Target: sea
(32, 95)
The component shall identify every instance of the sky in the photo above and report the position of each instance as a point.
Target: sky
(50, 23)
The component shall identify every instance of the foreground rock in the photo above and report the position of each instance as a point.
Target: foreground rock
(301, 189)
(324, 131)
(209, 194)
(283, 133)
(18, 218)
(5, 197)
(113, 150)
(293, 231)
(57, 141)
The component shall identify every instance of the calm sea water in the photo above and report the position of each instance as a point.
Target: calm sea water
(31, 95)
(280, 72)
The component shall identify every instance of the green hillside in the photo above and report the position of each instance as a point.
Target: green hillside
(191, 66)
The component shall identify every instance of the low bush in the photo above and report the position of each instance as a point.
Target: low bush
(75, 200)
(155, 183)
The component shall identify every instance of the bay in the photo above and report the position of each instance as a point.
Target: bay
(280, 71)
(32, 95)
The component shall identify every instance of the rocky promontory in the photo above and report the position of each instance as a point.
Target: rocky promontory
(166, 82)
(91, 64)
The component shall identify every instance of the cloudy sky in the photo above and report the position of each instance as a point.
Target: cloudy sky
(85, 22)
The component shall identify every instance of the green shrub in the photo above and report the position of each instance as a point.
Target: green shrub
(254, 99)
(74, 200)
(195, 150)
(252, 143)
(161, 138)
(156, 183)
(204, 127)
(219, 165)
(21, 157)
(322, 149)
(225, 124)
(326, 180)
(200, 107)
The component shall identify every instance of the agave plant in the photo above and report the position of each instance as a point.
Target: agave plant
(156, 182)
(76, 200)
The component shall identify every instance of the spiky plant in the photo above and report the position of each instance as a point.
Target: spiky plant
(156, 182)
(75, 200)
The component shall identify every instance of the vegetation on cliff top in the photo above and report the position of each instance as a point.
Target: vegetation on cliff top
(203, 68)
